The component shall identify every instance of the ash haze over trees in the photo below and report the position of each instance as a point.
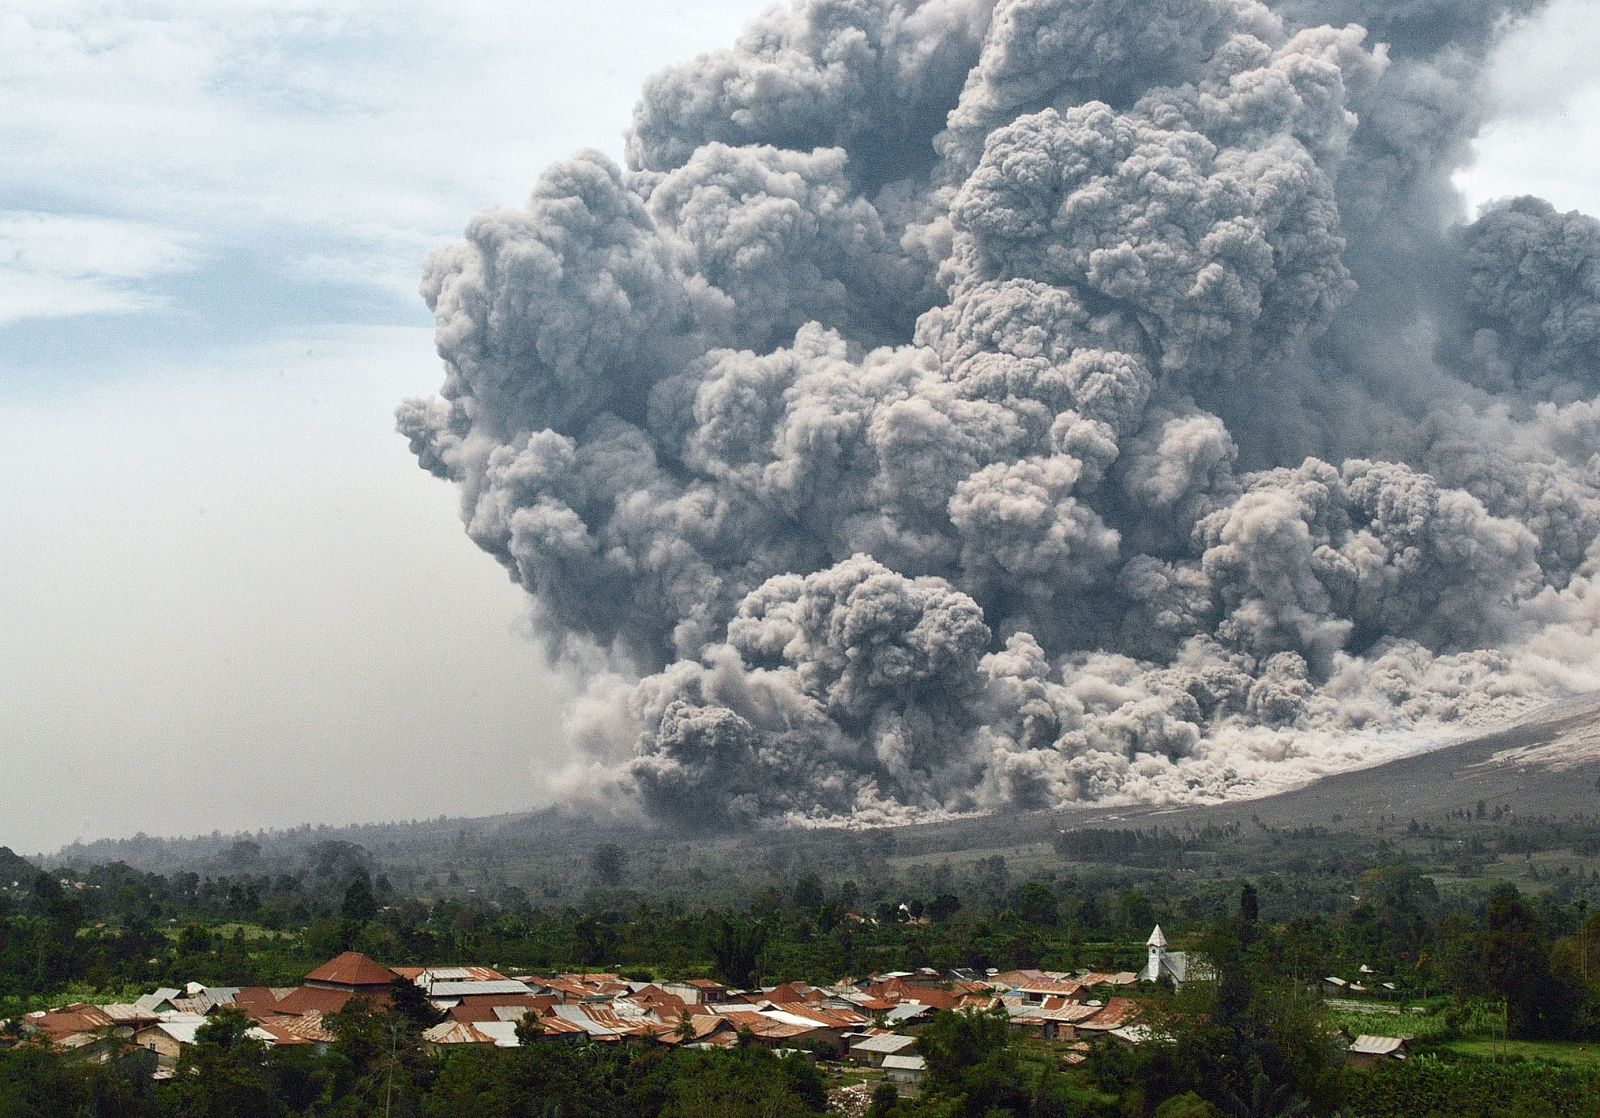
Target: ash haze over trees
(955, 405)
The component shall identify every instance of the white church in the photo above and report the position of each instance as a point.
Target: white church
(1176, 965)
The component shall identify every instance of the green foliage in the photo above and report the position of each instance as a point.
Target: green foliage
(1510, 957)
(36, 1083)
(224, 1073)
(736, 943)
(1472, 1089)
(407, 1000)
(611, 1082)
(1434, 1025)
(1036, 905)
(359, 904)
(1187, 1105)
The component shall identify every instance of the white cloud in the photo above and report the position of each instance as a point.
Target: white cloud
(347, 129)
(63, 265)
(1544, 136)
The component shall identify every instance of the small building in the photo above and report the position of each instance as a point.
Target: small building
(1369, 1051)
(871, 1051)
(167, 1037)
(905, 1071)
(697, 991)
(1178, 966)
(352, 972)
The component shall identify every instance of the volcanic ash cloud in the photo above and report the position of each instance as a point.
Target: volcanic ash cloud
(955, 406)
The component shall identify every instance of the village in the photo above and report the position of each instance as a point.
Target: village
(864, 1028)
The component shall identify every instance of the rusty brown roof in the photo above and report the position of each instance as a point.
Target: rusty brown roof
(79, 1017)
(455, 1032)
(1116, 1013)
(256, 1001)
(352, 969)
(481, 1007)
(313, 999)
(750, 1021)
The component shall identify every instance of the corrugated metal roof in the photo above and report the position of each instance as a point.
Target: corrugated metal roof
(473, 988)
(124, 1013)
(907, 1011)
(884, 1042)
(825, 1017)
(309, 999)
(503, 1033)
(550, 1023)
(150, 1001)
(1368, 1045)
(181, 1027)
(274, 1034)
(1050, 986)
(785, 1018)
(762, 1025)
(76, 1018)
(594, 1020)
(904, 1063)
(1068, 1014)
(307, 1025)
(1116, 1013)
(490, 1008)
(455, 1032)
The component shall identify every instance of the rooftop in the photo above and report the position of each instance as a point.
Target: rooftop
(352, 969)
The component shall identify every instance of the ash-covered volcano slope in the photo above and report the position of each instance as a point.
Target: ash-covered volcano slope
(957, 405)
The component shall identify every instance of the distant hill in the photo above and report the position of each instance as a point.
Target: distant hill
(14, 867)
(1543, 768)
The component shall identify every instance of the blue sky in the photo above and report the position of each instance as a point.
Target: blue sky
(231, 598)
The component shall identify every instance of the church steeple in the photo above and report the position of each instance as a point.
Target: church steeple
(1157, 943)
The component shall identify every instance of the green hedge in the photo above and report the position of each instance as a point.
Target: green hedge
(1426, 1086)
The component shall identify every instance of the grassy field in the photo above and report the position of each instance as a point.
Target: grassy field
(76, 992)
(1379, 1020)
(1580, 1055)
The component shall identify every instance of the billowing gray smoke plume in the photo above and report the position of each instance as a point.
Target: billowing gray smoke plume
(956, 405)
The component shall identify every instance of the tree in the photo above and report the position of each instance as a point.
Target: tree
(609, 863)
(1036, 905)
(1511, 958)
(1249, 904)
(736, 945)
(359, 904)
(1267, 1100)
(223, 1073)
(407, 1000)
(969, 1057)
(1134, 913)
(807, 894)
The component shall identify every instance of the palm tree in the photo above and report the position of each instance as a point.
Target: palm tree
(1267, 1101)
